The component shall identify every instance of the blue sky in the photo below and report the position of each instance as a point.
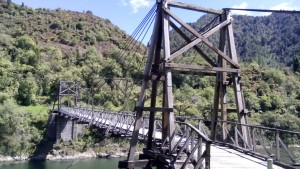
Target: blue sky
(127, 14)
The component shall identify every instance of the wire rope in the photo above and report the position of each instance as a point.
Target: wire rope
(262, 10)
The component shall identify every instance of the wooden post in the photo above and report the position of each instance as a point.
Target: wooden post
(270, 163)
(154, 130)
(239, 101)
(187, 136)
(223, 79)
(236, 136)
(168, 99)
(142, 96)
(59, 96)
(143, 128)
(155, 71)
(277, 145)
(199, 148)
(207, 157)
(253, 139)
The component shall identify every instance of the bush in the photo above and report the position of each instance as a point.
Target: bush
(25, 42)
(265, 103)
(26, 94)
(276, 76)
(57, 24)
(79, 26)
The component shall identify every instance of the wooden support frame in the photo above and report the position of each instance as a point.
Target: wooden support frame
(68, 88)
(158, 73)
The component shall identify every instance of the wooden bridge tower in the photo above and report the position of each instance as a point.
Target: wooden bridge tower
(161, 64)
(68, 89)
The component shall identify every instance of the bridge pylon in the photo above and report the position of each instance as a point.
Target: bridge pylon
(161, 63)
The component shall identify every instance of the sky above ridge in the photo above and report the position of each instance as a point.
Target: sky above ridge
(127, 14)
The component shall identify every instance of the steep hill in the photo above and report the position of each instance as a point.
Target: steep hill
(274, 37)
(270, 40)
(38, 47)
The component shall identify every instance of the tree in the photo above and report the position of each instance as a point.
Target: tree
(26, 94)
(25, 42)
(56, 24)
(296, 64)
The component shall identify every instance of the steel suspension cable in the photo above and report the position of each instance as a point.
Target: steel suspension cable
(138, 29)
(148, 26)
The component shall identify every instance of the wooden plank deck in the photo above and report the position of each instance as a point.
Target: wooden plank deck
(224, 157)
(221, 157)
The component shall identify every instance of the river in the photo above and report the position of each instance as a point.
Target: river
(77, 164)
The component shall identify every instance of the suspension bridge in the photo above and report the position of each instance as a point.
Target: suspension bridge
(185, 142)
(192, 142)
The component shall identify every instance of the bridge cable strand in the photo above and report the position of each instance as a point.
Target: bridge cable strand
(143, 25)
(137, 30)
(127, 66)
(262, 10)
(132, 41)
(148, 26)
(143, 21)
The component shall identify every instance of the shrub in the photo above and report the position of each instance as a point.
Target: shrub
(56, 24)
(26, 94)
(25, 42)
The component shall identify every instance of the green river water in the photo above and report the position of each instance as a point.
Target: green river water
(79, 164)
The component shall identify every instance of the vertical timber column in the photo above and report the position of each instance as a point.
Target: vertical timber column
(139, 113)
(220, 88)
(240, 105)
(223, 79)
(168, 99)
(59, 97)
(214, 115)
(155, 71)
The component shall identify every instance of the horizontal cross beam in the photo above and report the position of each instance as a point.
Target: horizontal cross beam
(194, 8)
(202, 68)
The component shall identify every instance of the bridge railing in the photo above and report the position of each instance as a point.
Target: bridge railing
(196, 146)
(119, 121)
(281, 145)
(191, 146)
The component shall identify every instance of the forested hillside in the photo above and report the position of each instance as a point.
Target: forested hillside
(272, 40)
(39, 47)
(268, 39)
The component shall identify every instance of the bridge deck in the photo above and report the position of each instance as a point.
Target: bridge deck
(224, 157)
(221, 157)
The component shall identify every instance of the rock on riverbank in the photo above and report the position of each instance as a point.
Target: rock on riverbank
(62, 156)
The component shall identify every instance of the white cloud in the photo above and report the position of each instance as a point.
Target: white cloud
(243, 5)
(124, 2)
(136, 4)
(284, 6)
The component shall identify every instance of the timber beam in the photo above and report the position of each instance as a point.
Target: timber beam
(160, 77)
(154, 109)
(205, 41)
(195, 8)
(201, 68)
(192, 43)
(188, 72)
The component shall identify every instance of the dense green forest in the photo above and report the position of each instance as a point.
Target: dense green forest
(39, 47)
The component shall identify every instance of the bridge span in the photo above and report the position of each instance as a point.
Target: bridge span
(193, 148)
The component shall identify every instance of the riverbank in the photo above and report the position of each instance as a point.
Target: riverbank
(91, 145)
(73, 156)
